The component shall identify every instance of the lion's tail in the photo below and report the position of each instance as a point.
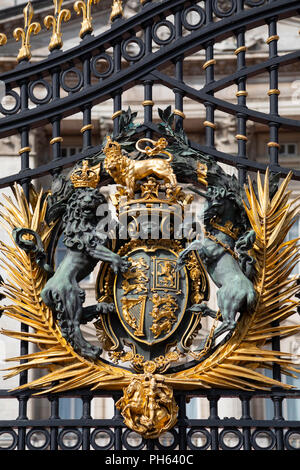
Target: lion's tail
(170, 156)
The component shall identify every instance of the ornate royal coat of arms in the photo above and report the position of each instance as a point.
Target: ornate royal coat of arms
(173, 223)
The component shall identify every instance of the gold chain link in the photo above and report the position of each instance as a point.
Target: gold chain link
(226, 247)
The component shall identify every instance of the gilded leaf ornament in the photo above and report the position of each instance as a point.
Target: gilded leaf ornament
(28, 308)
(152, 293)
(85, 7)
(3, 39)
(24, 34)
(55, 21)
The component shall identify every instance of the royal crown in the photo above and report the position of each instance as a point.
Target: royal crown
(86, 177)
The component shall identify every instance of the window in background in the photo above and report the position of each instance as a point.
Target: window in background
(288, 150)
(69, 151)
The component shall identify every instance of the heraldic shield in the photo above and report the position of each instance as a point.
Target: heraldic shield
(151, 296)
(153, 282)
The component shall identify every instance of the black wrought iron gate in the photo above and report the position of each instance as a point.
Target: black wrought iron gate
(132, 52)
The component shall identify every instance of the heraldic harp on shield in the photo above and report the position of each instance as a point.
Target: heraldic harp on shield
(160, 222)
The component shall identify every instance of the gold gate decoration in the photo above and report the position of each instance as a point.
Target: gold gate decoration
(234, 364)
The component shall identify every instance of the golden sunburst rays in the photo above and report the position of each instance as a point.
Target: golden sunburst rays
(25, 280)
(235, 364)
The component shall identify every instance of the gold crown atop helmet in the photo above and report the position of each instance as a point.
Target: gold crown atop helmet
(86, 177)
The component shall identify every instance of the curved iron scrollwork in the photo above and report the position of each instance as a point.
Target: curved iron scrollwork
(40, 83)
(193, 9)
(224, 8)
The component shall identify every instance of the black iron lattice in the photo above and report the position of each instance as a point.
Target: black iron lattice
(213, 433)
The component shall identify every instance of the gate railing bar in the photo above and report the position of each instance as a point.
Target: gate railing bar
(245, 401)
(230, 108)
(101, 92)
(55, 121)
(214, 393)
(117, 94)
(273, 144)
(24, 163)
(212, 423)
(273, 91)
(148, 102)
(54, 401)
(241, 95)
(208, 67)
(179, 114)
(213, 417)
(251, 71)
(86, 415)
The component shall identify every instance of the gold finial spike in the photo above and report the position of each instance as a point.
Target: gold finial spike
(3, 39)
(56, 21)
(25, 33)
(86, 8)
(116, 10)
